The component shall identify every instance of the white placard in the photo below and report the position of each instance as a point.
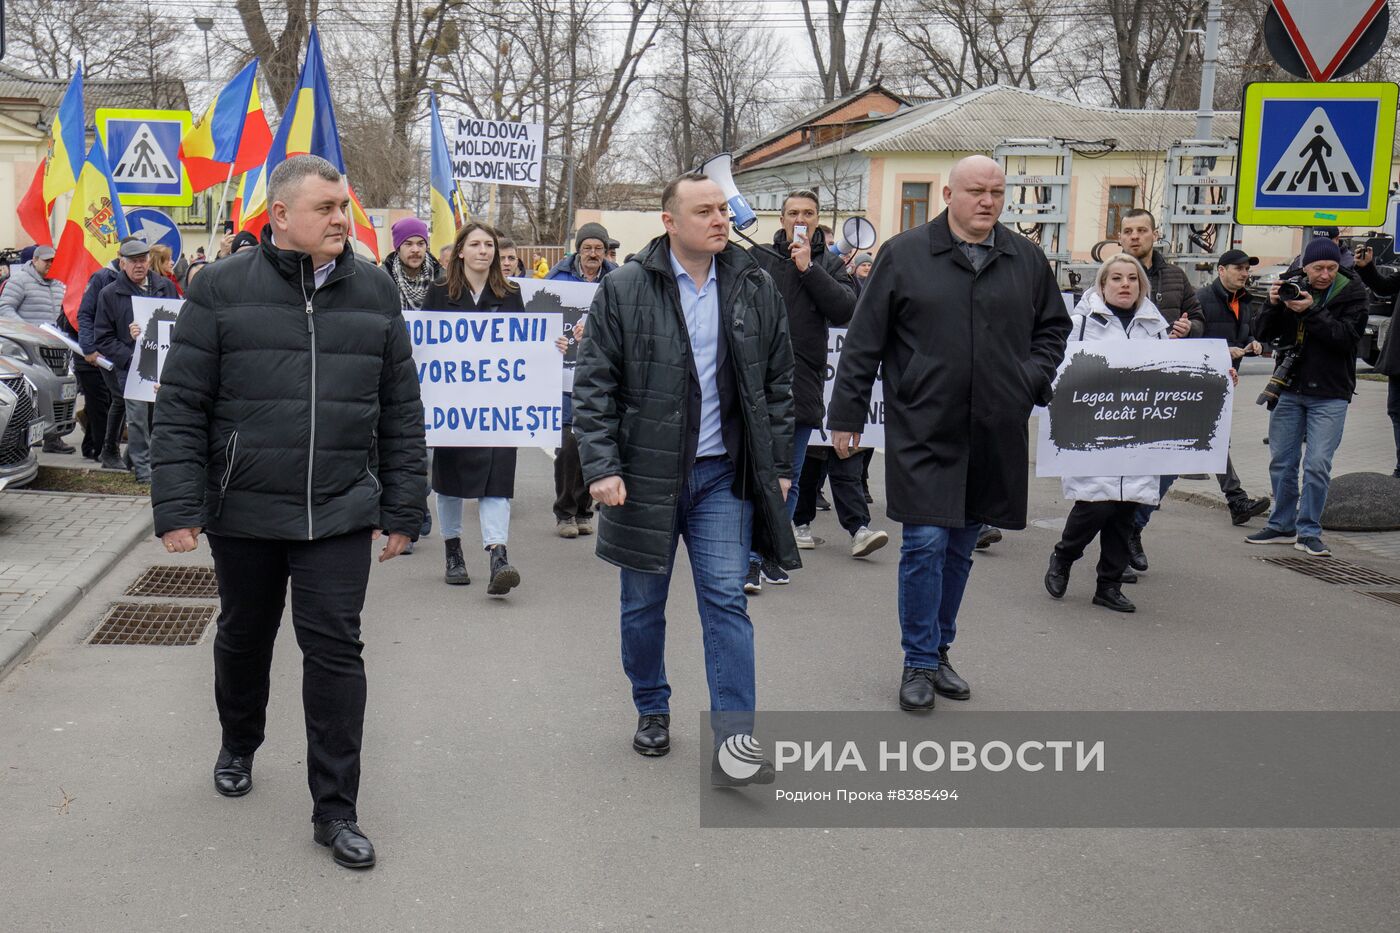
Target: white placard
(148, 358)
(488, 379)
(571, 300)
(1138, 407)
(874, 433)
(495, 152)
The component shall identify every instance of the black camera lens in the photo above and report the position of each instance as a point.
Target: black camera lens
(1289, 291)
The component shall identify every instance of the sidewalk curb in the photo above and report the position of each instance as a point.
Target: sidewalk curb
(1199, 498)
(54, 606)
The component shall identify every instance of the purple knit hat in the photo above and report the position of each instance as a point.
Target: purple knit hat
(408, 227)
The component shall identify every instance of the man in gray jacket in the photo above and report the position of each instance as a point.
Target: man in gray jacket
(32, 297)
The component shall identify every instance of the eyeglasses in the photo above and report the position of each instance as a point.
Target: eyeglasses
(593, 249)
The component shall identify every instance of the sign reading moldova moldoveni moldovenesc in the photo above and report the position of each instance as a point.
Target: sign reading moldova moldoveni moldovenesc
(1315, 153)
(496, 152)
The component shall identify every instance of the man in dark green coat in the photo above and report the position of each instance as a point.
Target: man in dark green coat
(684, 415)
(289, 429)
(966, 324)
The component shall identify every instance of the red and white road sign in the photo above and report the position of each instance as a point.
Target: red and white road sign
(1325, 31)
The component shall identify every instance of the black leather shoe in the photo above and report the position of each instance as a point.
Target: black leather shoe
(349, 847)
(112, 461)
(233, 774)
(739, 762)
(1111, 597)
(1247, 509)
(916, 690)
(1057, 576)
(504, 577)
(1129, 576)
(653, 737)
(946, 680)
(1137, 558)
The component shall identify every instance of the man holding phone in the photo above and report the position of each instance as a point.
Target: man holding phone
(818, 292)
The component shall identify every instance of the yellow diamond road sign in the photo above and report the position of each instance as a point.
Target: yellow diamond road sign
(1315, 153)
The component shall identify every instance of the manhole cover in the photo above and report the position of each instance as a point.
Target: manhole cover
(187, 582)
(153, 624)
(1334, 570)
(1392, 598)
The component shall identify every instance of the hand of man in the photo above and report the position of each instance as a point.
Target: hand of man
(1254, 349)
(393, 547)
(1362, 257)
(785, 486)
(1234, 376)
(1300, 305)
(801, 254)
(1181, 326)
(91, 358)
(610, 490)
(181, 540)
(1236, 353)
(561, 344)
(225, 245)
(845, 443)
(135, 330)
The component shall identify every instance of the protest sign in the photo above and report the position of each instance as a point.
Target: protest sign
(874, 433)
(569, 299)
(494, 152)
(156, 318)
(1138, 407)
(488, 379)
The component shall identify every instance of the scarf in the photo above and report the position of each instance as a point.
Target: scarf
(413, 290)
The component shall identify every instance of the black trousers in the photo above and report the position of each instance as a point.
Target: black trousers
(571, 498)
(116, 409)
(1392, 408)
(1230, 485)
(96, 401)
(847, 490)
(1113, 523)
(328, 580)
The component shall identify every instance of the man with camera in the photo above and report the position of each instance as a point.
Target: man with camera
(1229, 311)
(1316, 318)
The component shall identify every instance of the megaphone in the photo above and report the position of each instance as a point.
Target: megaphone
(856, 233)
(720, 171)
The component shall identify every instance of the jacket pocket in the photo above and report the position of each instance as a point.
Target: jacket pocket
(230, 458)
(372, 461)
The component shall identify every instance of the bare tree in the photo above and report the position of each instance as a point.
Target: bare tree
(839, 76)
(49, 37)
(954, 46)
(280, 56)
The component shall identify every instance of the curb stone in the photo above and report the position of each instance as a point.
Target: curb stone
(25, 634)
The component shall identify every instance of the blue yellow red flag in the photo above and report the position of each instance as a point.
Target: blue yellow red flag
(231, 137)
(95, 227)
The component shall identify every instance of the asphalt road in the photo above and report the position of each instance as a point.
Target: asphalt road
(502, 793)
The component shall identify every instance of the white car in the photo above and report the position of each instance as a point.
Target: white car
(20, 429)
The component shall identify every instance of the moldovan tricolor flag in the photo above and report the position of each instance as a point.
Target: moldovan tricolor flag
(441, 189)
(231, 137)
(250, 203)
(58, 172)
(308, 127)
(96, 225)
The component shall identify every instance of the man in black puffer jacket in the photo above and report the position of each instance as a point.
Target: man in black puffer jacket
(1229, 309)
(817, 292)
(683, 410)
(289, 427)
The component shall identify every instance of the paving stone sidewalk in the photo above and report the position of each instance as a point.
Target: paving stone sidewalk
(53, 548)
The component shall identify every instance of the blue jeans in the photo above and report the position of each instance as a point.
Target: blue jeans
(934, 563)
(799, 456)
(717, 526)
(1144, 512)
(1298, 420)
(492, 512)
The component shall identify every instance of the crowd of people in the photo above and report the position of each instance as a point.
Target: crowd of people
(288, 426)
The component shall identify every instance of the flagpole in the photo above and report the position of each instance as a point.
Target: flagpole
(214, 231)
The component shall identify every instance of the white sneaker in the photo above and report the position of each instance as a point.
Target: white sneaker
(803, 534)
(866, 542)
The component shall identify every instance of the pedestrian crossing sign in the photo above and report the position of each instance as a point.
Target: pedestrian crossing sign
(143, 148)
(1315, 153)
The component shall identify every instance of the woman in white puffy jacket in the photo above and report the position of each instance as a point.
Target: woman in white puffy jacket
(1116, 308)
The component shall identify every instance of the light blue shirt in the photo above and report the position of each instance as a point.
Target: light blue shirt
(701, 307)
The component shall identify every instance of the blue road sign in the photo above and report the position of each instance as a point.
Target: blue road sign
(156, 227)
(143, 148)
(1315, 153)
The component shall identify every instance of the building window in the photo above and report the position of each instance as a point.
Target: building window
(913, 204)
(1121, 199)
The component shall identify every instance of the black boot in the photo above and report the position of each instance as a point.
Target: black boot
(112, 460)
(504, 577)
(1057, 577)
(946, 680)
(1111, 597)
(1137, 559)
(456, 563)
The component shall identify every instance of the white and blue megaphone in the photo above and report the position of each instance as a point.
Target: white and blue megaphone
(720, 171)
(856, 233)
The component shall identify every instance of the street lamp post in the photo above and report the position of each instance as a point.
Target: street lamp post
(205, 24)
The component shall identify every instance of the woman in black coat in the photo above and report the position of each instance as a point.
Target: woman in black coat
(474, 282)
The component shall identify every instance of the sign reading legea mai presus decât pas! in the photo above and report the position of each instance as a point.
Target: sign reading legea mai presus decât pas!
(488, 380)
(495, 152)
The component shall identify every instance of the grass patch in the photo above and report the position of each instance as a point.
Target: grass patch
(99, 482)
(1373, 377)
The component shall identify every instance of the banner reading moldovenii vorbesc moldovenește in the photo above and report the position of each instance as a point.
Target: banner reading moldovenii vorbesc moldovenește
(1138, 407)
(488, 380)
